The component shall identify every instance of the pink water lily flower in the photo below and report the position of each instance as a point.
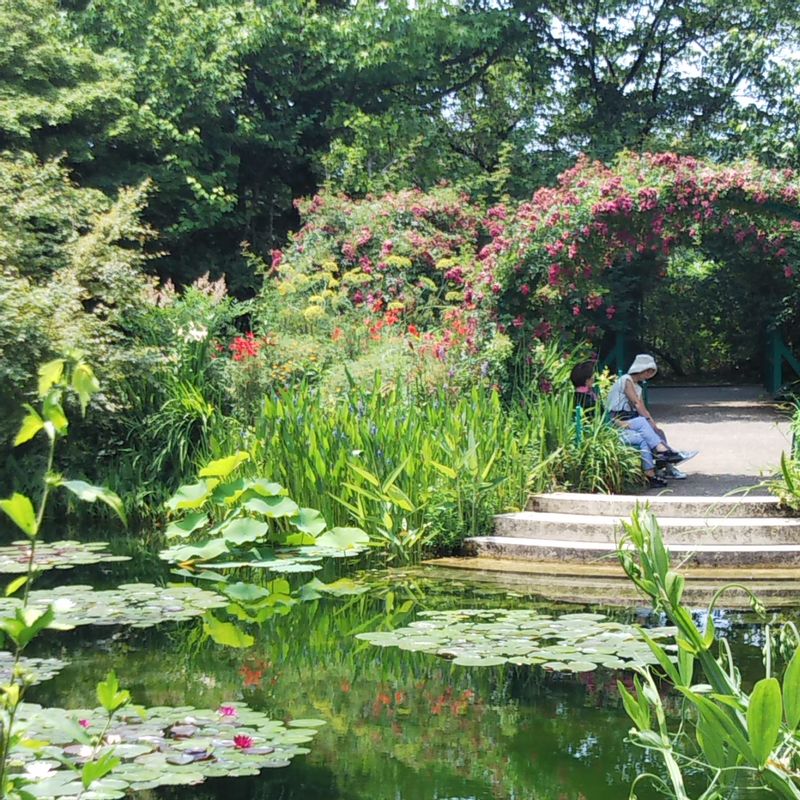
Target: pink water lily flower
(228, 712)
(242, 742)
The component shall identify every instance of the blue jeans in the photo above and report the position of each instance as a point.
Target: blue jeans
(640, 433)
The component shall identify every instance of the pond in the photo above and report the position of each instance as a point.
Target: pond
(399, 724)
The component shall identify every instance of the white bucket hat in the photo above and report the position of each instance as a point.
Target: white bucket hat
(642, 363)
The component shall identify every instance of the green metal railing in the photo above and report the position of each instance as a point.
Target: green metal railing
(778, 357)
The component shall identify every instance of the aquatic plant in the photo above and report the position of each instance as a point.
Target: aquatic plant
(728, 738)
(490, 637)
(57, 379)
(54, 555)
(241, 521)
(153, 747)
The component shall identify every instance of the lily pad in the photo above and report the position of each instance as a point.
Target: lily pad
(35, 670)
(139, 605)
(161, 747)
(54, 555)
(483, 638)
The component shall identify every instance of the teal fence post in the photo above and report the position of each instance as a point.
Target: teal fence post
(578, 425)
(778, 354)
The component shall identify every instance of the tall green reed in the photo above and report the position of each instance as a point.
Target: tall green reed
(399, 461)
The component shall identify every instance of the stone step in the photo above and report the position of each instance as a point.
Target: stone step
(580, 584)
(622, 505)
(603, 553)
(677, 530)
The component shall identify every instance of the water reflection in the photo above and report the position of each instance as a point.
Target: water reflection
(401, 725)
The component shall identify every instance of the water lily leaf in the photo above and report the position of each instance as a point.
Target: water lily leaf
(219, 745)
(306, 723)
(191, 495)
(339, 588)
(343, 539)
(138, 604)
(266, 488)
(479, 661)
(185, 527)
(199, 551)
(474, 637)
(54, 555)
(310, 521)
(245, 592)
(272, 507)
(243, 531)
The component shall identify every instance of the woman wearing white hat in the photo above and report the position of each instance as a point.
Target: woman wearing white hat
(626, 406)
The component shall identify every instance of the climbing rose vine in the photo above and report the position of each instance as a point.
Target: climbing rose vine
(549, 262)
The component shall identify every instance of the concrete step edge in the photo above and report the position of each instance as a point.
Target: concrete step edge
(613, 521)
(671, 505)
(611, 546)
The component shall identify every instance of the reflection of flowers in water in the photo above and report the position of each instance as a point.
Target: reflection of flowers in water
(252, 677)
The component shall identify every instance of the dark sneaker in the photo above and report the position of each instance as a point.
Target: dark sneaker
(656, 483)
(687, 454)
(670, 457)
(673, 472)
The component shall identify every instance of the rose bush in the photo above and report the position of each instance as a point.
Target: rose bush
(551, 262)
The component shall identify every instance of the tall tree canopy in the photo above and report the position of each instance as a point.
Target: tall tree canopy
(234, 109)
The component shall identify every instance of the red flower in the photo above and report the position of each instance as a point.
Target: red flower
(414, 331)
(337, 334)
(244, 347)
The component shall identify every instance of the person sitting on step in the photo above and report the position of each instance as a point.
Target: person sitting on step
(625, 404)
(636, 431)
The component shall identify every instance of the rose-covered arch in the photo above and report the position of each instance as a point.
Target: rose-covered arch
(551, 262)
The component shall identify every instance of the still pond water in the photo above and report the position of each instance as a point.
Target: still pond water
(400, 725)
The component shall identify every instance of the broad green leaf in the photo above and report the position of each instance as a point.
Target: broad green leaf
(31, 425)
(200, 551)
(53, 412)
(226, 494)
(299, 539)
(343, 539)
(791, 691)
(50, 374)
(241, 531)
(266, 488)
(223, 467)
(711, 743)
(94, 770)
(309, 520)
(85, 384)
(764, 716)
(365, 474)
(110, 696)
(272, 507)
(226, 633)
(721, 723)
(245, 592)
(20, 509)
(16, 585)
(85, 491)
(186, 526)
(191, 495)
(448, 472)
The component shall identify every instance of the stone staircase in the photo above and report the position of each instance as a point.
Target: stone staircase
(563, 548)
(562, 529)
